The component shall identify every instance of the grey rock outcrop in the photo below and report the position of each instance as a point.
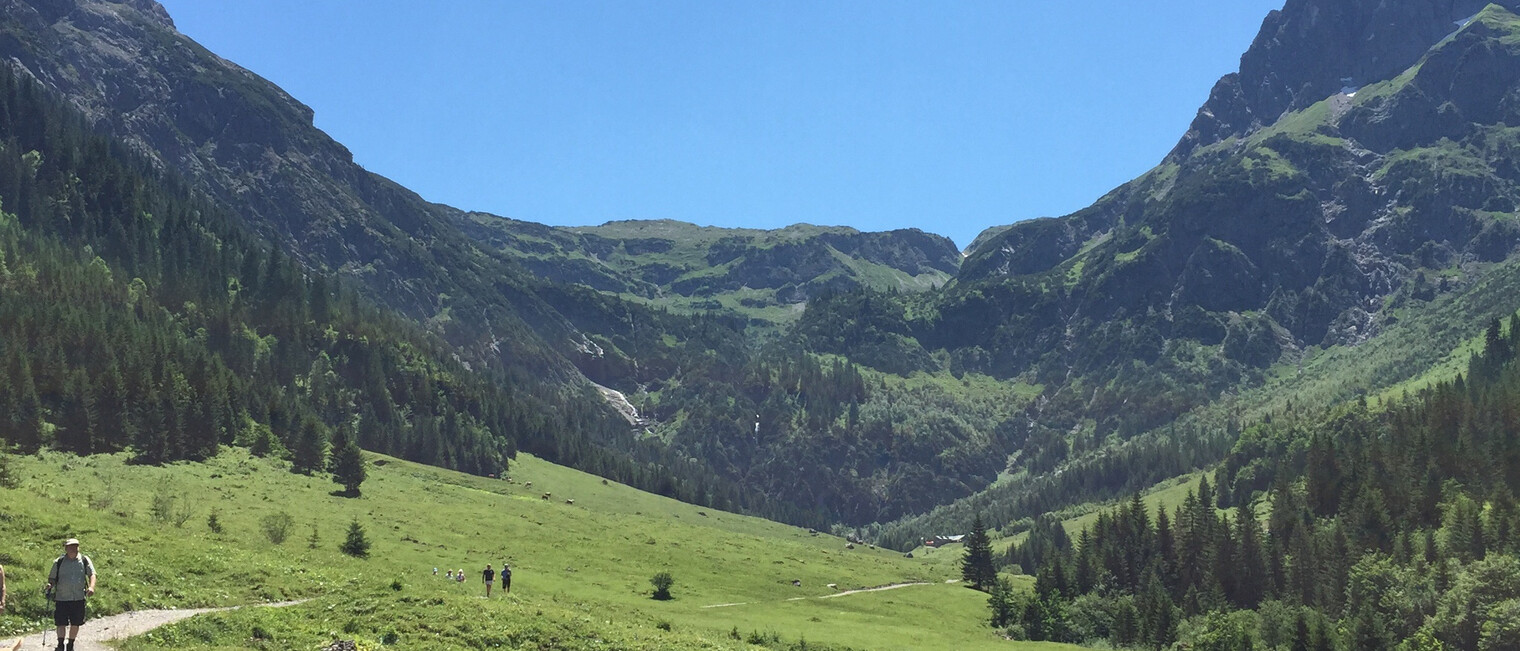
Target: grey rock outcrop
(1311, 49)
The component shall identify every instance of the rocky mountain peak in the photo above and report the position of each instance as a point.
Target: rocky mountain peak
(1312, 49)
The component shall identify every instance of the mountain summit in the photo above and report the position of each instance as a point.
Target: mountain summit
(1312, 49)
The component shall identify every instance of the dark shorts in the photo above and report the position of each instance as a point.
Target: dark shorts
(68, 613)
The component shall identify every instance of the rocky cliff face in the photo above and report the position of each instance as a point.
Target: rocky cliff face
(230, 132)
(1306, 219)
(1311, 49)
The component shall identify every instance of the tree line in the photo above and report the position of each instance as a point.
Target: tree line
(1384, 527)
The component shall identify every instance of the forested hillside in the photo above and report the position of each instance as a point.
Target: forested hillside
(139, 317)
(1367, 527)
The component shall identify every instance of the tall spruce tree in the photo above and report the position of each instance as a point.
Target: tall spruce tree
(310, 448)
(346, 463)
(976, 566)
(356, 544)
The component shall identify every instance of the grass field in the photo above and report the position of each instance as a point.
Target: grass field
(581, 571)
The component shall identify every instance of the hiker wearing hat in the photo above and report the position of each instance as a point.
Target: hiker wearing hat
(69, 582)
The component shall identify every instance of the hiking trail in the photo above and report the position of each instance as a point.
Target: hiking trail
(98, 631)
(890, 586)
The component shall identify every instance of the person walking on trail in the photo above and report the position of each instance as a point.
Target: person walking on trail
(490, 576)
(70, 581)
(506, 578)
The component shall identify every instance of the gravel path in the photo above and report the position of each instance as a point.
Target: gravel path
(879, 588)
(96, 632)
(893, 586)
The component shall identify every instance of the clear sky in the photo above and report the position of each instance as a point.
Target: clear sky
(945, 116)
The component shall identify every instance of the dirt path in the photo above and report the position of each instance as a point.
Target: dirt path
(96, 632)
(890, 586)
(879, 588)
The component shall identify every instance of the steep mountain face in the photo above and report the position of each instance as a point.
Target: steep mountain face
(1294, 234)
(253, 148)
(749, 271)
(1311, 49)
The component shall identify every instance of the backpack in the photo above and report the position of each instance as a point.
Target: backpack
(52, 585)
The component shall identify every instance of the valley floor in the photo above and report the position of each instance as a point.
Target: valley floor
(581, 569)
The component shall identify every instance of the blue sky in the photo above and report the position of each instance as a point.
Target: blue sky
(948, 117)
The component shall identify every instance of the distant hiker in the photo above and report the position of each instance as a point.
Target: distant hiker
(506, 578)
(449, 575)
(69, 582)
(490, 576)
(459, 576)
(435, 571)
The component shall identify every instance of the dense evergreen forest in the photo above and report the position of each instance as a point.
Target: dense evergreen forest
(1370, 527)
(139, 317)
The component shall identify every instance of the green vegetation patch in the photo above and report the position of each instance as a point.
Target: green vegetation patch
(581, 569)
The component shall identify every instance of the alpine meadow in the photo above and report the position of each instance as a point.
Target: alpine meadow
(1264, 395)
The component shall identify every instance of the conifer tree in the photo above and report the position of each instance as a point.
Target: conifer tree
(1250, 564)
(310, 447)
(976, 566)
(346, 463)
(1158, 615)
(356, 544)
(1003, 602)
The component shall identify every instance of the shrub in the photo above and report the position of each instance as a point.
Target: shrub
(214, 523)
(161, 508)
(661, 582)
(276, 526)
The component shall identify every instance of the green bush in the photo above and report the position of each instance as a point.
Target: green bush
(661, 582)
(276, 526)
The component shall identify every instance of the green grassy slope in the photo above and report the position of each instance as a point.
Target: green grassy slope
(581, 570)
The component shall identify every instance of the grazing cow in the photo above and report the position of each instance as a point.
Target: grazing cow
(546, 496)
(569, 501)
